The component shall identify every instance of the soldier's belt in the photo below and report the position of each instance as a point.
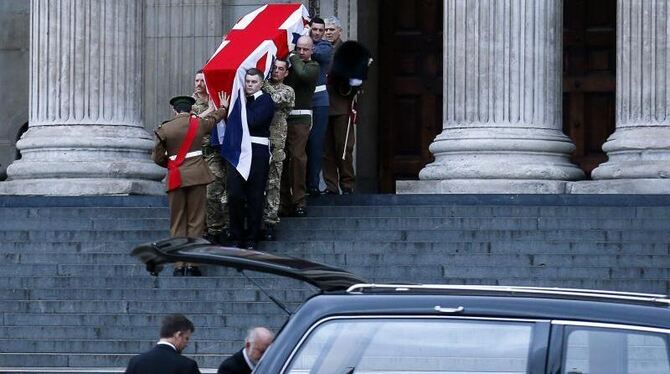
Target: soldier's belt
(260, 140)
(320, 88)
(188, 155)
(300, 112)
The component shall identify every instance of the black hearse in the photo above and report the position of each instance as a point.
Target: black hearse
(352, 326)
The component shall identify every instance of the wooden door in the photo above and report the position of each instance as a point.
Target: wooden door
(589, 77)
(410, 88)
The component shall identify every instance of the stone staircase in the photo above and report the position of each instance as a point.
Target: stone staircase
(73, 300)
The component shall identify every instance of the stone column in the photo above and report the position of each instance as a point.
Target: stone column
(85, 133)
(639, 149)
(502, 102)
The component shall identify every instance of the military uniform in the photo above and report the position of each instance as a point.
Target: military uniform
(339, 173)
(323, 52)
(216, 216)
(284, 98)
(302, 78)
(187, 200)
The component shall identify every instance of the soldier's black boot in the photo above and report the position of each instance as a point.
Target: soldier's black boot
(269, 233)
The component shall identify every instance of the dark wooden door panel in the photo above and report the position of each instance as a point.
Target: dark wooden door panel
(589, 77)
(410, 91)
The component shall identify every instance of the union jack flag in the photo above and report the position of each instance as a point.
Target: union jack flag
(256, 39)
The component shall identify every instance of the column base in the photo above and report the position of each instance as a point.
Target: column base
(481, 186)
(81, 187)
(621, 186)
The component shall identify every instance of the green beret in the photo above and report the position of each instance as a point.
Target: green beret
(182, 100)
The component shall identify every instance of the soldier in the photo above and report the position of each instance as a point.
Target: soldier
(284, 99)
(178, 147)
(304, 73)
(217, 207)
(323, 52)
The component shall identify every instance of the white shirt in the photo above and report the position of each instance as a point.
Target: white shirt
(247, 359)
(163, 342)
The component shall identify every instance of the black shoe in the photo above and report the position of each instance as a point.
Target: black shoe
(300, 212)
(240, 244)
(347, 191)
(192, 271)
(252, 245)
(178, 272)
(269, 233)
(329, 192)
(225, 236)
(314, 192)
(213, 238)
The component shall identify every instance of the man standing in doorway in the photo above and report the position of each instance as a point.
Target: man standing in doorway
(323, 52)
(284, 99)
(338, 173)
(303, 75)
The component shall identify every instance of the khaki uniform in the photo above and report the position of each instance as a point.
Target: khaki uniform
(187, 202)
(338, 173)
(216, 216)
(284, 98)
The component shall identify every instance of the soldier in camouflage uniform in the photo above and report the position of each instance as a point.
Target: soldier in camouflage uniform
(217, 208)
(284, 99)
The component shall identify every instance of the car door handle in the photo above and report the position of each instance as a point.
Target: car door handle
(448, 310)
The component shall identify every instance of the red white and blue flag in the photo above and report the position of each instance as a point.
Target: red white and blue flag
(255, 40)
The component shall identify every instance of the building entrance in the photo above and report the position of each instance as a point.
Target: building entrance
(410, 83)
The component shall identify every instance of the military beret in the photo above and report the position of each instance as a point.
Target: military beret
(182, 100)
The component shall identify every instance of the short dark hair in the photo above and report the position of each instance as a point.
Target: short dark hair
(199, 71)
(182, 107)
(174, 323)
(318, 20)
(254, 71)
(281, 60)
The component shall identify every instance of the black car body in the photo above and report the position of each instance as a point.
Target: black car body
(356, 327)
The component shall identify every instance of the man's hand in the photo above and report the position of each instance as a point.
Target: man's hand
(223, 100)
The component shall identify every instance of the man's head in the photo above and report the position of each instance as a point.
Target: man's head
(253, 81)
(316, 28)
(182, 104)
(257, 341)
(279, 70)
(333, 29)
(200, 88)
(177, 329)
(304, 47)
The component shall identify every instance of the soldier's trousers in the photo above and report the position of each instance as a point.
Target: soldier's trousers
(336, 171)
(270, 214)
(315, 146)
(295, 166)
(217, 203)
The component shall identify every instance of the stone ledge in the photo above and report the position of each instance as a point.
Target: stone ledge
(620, 186)
(81, 187)
(481, 186)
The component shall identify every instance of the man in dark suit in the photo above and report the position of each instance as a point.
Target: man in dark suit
(165, 357)
(245, 360)
(260, 109)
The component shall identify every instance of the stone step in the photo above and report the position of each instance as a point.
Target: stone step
(301, 248)
(90, 359)
(79, 370)
(115, 332)
(59, 345)
(211, 320)
(138, 307)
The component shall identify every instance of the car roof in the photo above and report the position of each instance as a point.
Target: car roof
(331, 279)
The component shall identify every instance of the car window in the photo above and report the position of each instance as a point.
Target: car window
(347, 346)
(614, 351)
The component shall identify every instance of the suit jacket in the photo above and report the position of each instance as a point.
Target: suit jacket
(169, 137)
(235, 364)
(162, 359)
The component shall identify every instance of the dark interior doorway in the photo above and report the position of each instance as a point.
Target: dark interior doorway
(410, 83)
(589, 77)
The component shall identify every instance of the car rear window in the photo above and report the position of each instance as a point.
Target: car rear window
(615, 351)
(409, 345)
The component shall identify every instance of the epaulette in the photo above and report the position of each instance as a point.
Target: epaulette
(164, 122)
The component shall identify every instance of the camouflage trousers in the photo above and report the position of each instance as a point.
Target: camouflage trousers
(217, 199)
(270, 214)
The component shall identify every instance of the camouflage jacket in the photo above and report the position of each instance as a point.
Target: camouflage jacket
(201, 104)
(284, 98)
